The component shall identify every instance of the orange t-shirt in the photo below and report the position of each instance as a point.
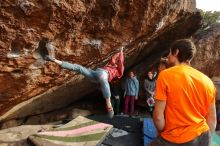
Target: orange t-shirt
(188, 94)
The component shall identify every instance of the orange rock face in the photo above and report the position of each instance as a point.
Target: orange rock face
(83, 31)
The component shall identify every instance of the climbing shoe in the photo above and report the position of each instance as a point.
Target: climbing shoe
(51, 52)
(49, 58)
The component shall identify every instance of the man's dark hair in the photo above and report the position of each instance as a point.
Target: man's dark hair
(186, 49)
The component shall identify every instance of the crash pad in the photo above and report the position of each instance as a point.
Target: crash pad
(149, 130)
(215, 140)
(79, 132)
(150, 133)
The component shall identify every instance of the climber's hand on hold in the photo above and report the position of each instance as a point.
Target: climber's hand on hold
(121, 49)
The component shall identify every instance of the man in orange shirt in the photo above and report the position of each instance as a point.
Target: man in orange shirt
(185, 111)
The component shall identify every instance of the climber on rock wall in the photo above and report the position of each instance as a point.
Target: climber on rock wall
(114, 69)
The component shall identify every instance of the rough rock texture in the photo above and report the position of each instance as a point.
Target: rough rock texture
(207, 58)
(17, 136)
(216, 81)
(85, 32)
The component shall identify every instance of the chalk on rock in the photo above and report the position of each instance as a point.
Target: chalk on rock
(26, 6)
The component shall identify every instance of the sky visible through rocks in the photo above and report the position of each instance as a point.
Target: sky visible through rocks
(208, 5)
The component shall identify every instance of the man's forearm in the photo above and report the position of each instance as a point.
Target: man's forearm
(212, 125)
(158, 115)
(159, 122)
(211, 117)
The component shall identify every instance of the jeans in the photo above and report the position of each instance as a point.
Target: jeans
(129, 100)
(99, 75)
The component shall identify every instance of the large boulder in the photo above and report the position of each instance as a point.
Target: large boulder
(85, 32)
(207, 57)
(17, 136)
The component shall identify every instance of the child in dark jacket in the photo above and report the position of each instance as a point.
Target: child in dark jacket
(113, 70)
(115, 87)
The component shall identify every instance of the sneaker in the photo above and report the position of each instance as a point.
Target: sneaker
(110, 112)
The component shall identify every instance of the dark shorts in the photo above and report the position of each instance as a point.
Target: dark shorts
(202, 140)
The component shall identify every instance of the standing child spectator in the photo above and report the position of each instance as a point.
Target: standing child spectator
(131, 93)
(149, 86)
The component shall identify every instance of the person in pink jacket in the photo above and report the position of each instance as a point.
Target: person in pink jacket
(113, 70)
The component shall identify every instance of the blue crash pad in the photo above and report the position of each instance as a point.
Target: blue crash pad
(149, 131)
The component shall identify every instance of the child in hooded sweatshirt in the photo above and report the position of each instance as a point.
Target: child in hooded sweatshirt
(113, 70)
(131, 93)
